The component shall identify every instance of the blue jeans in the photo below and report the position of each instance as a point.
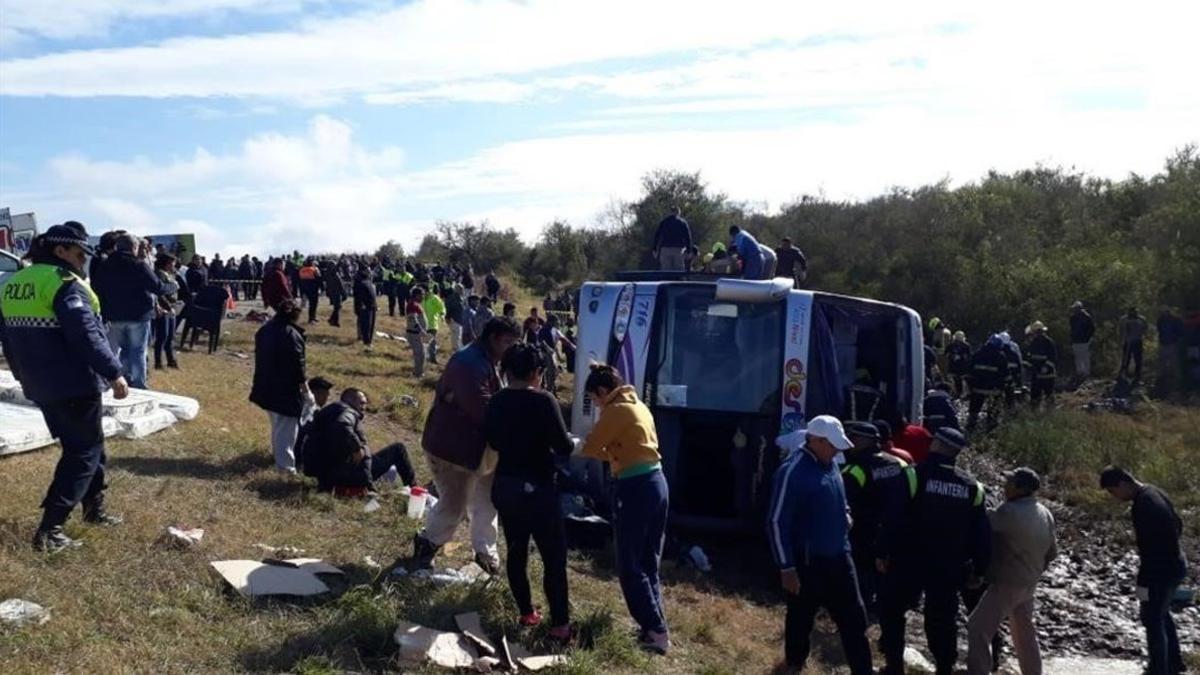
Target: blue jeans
(129, 340)
(641, 525)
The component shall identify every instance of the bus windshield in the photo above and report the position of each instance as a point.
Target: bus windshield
(717, 355)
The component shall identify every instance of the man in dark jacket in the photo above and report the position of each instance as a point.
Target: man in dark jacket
(791, 262)
(336, 452)
(197, 276)
(938, 409)
(275, 288)
(366, 303)
(989, 369)
(454, 447)
(878, 489)
(1163, 567)
(947, 545)
(672, 240)
(128, 293)
(279, 381)
(310, 287)
(1133, 329)
(336, 290)
(492, 286)
(54, 341)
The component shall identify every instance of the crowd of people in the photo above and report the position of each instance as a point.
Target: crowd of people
(865, 515)
(742, 255)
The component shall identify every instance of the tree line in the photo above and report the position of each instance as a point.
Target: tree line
(993, 254)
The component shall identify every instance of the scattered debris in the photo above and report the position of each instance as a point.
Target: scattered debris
(238, 355)
(487, 664)
(371, 506)
(280, 551)
(407, 401)
(19, 612)
(535, 663)
(371, 563)
(425, 645)
(296, 577)
(180, 537)
(472, 627)
(467, 574)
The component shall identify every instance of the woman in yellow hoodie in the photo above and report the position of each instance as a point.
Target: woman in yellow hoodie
(625, 437)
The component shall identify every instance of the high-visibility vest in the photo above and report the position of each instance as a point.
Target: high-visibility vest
(27, 299)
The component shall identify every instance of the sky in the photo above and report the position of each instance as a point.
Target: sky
(266, 125)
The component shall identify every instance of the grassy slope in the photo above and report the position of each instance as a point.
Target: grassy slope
(123, 603)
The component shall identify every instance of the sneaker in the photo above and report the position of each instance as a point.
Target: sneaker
(102, 517)
(53, 540)
(562, 634)
(490, 563)
(655, 642)
(390, 476)
(531, 619)
(423, 553)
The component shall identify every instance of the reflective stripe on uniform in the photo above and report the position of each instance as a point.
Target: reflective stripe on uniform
(979, 494)
(857, 473)
(27, 298)
(29, 322)
(911, 473)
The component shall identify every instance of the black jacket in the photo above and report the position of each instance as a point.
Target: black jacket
(672, 232)
(336, 434)
(989, 369)
(1082, 327)
(878, 489)
(279, 349)
(939, 411)
(334, 288)
(128, 289)
(1043, 355)
(959, 355)
(948, 529)
(365, 297)
(1158, 528)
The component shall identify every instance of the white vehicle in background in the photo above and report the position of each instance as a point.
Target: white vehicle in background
(9, 265)
(728, 365)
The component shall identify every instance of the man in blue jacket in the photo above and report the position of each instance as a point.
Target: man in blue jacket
(809, 531)
(128, 292)
(52, 336)
(749, 252)
(672, 239)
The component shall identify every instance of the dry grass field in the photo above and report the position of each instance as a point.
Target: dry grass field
(124, 603)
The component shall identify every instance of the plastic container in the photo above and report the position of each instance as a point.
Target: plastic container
(416, 502)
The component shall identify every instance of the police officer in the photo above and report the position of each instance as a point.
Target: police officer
(52, 336)
(878, 489)
(1043, 354)
(947, 546)
(938, 409)
(989, 371)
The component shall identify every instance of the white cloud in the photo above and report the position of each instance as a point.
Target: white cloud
(125, 214)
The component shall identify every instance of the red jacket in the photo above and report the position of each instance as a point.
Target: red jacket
(914, 439)
(275, 288)
(896, 452)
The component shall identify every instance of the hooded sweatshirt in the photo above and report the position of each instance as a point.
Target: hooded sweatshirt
(624, 436)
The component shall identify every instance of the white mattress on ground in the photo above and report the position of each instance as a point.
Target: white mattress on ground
(183, 408)
(22, 428)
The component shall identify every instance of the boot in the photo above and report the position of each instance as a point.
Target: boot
(94, 514)
(172, 363)
(157, 363)
(424, 552)
(488, 563)
(53, 540)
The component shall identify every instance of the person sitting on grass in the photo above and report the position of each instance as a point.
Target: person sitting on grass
(320, 389)
(337, 455)
(525, 426)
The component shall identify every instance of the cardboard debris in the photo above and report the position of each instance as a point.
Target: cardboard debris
(425, 645)
(182, 538)
(280, 551)
(535, 663)
(472, 627)
(296, 577)
(19, 612)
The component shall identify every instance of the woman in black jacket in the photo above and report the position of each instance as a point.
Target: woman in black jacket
(525, 427)
(280, 385)
(366, 302)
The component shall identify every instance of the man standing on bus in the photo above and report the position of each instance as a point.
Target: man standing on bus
(749, 252)
(672, 239)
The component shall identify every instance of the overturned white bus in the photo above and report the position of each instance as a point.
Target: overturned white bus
(728, 365)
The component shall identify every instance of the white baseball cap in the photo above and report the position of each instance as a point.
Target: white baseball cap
(829, 428)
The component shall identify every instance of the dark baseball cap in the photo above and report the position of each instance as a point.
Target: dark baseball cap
(1024, 478)
(951, 437)
(861, 429)
(319, 383)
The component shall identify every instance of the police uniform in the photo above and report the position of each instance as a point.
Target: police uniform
(1042, 357)
(55, 342)
(938, 411)
(947, 542)
(878, 489)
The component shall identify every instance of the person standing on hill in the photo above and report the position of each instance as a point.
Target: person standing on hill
(1158, 529)
(336, 290)
(492, 285)
(455, 445)
(958, 357)
(989, 369)
(672, 240)
(454, 305)
(280, 384)
(366, 305)
(416, 329)
(310, 287)
(809, 533)
(1043, 360)
(483, 315)
(1133, 334)
(54, 341)
(275, 288)
(947, 545)
(626, 438)
(435, 316)
(1023, 545)
(164, 319)
(1083, 328)
(792, 263)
